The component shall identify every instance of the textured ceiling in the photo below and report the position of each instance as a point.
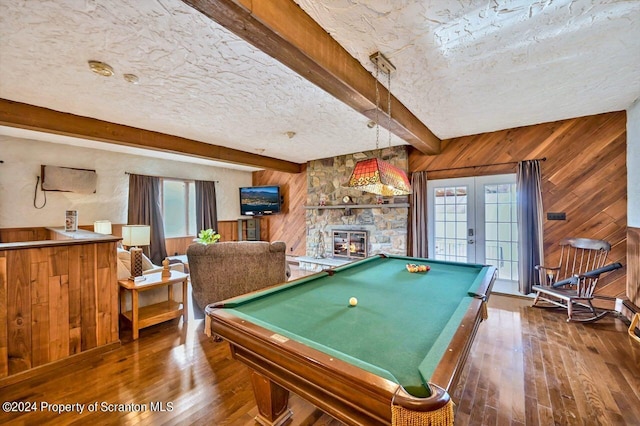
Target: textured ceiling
(468, 67)
(464, 67)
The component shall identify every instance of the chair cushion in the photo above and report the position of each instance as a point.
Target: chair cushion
(123, 272)
(124, 261)
(146, 263)
(125, 257)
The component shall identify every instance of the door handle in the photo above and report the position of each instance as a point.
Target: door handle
(471, 241)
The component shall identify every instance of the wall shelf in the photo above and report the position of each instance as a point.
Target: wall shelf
(359, 206)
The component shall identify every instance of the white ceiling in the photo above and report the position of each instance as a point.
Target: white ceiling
(464, 67)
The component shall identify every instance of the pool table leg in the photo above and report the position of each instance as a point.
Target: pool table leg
(272, 400)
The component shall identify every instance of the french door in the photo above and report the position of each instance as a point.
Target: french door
(474, 220)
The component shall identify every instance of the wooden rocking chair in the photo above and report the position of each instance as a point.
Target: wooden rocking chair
(574, 294)
(558, 283)
(577, 256)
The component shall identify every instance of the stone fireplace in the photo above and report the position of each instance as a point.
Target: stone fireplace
(385, 225)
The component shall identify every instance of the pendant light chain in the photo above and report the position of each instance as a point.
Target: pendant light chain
(389, 105)
(375, 175)
(377, 110)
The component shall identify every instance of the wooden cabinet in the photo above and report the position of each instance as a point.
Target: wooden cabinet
(57, 299)
(249, 229)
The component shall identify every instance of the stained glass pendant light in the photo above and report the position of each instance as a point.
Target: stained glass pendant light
(379, 177)
(375, 175)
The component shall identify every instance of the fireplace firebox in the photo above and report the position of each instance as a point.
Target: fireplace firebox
(350, 244)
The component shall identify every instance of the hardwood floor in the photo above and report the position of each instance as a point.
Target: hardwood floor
(527, 367)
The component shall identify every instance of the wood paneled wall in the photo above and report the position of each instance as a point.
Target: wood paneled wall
(17, 235)
(288, 226)
(228, 230)
(584, 175)
(177, 245)
(56, 301)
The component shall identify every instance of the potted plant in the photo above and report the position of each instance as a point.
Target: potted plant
(208, 236)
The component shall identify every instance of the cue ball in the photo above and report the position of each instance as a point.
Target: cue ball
(353, 301)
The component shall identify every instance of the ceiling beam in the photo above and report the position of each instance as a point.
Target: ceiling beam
(281, 29)
(25, 116)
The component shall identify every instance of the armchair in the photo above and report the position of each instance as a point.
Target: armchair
(228, 269)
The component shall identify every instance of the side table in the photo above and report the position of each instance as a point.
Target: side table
(141, 317)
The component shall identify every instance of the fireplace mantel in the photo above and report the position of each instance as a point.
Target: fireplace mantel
(359, 206)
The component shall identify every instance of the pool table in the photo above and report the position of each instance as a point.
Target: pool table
(393, 357)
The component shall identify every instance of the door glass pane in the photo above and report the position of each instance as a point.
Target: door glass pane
(451, 223)
(504, 213)
(491, 213)
(491, 230)
(501, 226)
(504, 231)
(490, 194)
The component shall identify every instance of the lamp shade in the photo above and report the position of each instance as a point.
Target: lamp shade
(379, 177)
(136, 235)
(102, 227)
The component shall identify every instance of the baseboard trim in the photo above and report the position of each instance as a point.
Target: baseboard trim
(626, 309)
(53, 366)
(528, 297)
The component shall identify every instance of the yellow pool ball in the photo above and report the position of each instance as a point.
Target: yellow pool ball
(353, 301)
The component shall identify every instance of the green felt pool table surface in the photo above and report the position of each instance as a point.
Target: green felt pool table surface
(400, 328)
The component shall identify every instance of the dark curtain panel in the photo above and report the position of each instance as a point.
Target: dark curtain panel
(145, 209)
(206, 211)
(418, 239)
(530, 246)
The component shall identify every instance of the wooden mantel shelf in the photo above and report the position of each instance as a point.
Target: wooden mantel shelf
(359, 206)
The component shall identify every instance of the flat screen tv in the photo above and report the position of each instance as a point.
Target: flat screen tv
(259, 200)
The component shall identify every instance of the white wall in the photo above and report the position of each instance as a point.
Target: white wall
(23, 157)
(633, 165)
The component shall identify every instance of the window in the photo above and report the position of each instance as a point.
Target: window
(178, 208)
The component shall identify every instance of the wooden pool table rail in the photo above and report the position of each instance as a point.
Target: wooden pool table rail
(451, 364)
(344, 391)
